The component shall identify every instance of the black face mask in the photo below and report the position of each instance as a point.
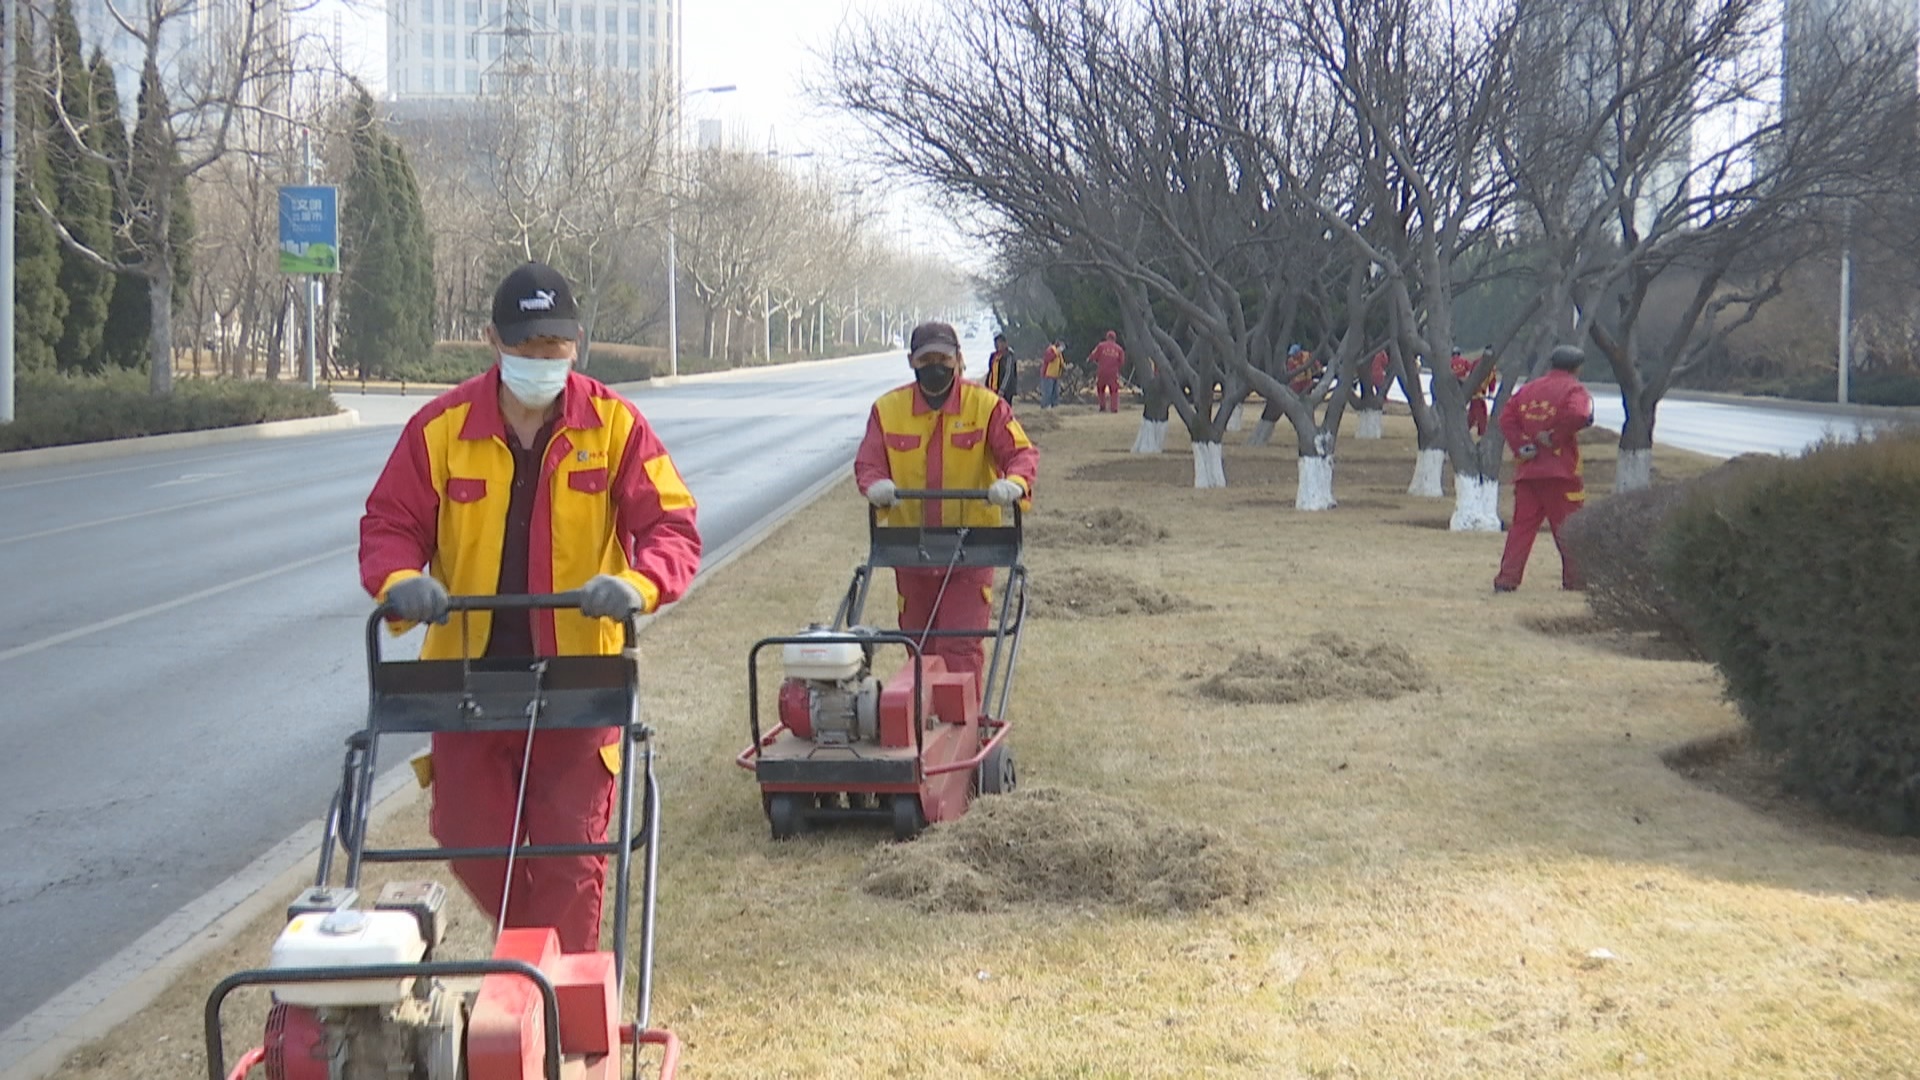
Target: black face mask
(934, 379)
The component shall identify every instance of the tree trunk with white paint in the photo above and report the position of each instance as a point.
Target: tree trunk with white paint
(1262, 433)
(1151, 438)
(1428, 465)
(1369, 424)
(1209, 470)
(1633, 470)
(1234, 423)
(1315, 490)
(1476, 504)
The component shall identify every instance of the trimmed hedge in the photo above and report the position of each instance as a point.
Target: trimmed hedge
(1801, 582)
(59, 410)
(456, 361)
(1614, 541)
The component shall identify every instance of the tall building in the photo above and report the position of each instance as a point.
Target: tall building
(453, 49)
(1824, 34)
(197, 38)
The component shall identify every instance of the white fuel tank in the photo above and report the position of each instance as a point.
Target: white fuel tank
(822, 661)
(346, 939)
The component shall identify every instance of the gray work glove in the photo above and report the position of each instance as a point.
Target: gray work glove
(881, 493)
(1527, 452)
(418, 599)
(607, 597)
(1005, 492)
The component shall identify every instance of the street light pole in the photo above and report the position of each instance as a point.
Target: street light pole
(673, 195)
(9, 165)
(1846, 303)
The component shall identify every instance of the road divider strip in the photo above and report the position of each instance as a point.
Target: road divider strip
(178, 440)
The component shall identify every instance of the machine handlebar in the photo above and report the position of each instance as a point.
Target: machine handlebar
(929, 494)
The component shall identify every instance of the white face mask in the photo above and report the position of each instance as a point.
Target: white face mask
(533, 381)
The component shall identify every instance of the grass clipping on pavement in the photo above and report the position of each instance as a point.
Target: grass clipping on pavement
(1494, 875)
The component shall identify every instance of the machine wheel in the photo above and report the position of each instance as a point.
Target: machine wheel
(784, 815)
(997, 772)
(907, 818)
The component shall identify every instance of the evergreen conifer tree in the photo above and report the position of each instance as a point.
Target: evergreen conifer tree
(39, 307)
(386, 300)
(80, 191)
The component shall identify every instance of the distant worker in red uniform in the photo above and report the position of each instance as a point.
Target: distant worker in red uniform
(1107, 358)
(528, 478)
(1479, 395)
(941, 431)
(1542, 422)
(1377, 371)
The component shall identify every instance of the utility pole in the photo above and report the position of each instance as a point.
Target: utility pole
(313, 280)
(1846, 302)
(9, 167)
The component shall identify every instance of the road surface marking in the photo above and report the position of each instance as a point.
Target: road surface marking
(133, 616)
(229, 497)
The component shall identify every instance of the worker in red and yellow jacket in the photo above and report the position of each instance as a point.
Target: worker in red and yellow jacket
(1003, 371)
(1301, 370)
(1053, 368)
(528, 478)
(1479, 394)
(1542, 422)
(941, 431)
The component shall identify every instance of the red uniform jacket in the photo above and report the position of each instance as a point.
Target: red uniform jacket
(1107, 358)
(969, 442)
(1378, 371)
(1463, 370)
(610, 502)
(1554, 403)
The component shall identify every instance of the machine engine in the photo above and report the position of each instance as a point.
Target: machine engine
(396, 1029)
(830, 694)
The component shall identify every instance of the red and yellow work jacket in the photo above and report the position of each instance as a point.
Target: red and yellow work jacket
(609, 502)
(1555, 403)
(1053, 365)
(969, 442)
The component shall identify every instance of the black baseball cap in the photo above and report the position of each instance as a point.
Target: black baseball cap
(933, 337)
(532, 302)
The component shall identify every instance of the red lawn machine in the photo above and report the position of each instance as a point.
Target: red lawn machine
(359, 992)
(912, 749)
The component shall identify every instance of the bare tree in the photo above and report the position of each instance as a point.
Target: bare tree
(191, 108)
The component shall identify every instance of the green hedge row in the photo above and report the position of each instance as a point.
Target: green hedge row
(1800, 580)
(56, 410)
(457, 361)
(1861, 389)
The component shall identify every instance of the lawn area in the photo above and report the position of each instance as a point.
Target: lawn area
(1493, 875)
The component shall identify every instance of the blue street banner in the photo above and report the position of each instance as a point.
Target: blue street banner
(309, 231)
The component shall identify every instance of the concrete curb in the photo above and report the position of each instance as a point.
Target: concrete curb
(666, 382)
(107, 996)
(179, 440)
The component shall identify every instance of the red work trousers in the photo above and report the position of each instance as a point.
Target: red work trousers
(1534, 501)
(1477, 417)
(570, 790)
(1107, 389)
(967, 604)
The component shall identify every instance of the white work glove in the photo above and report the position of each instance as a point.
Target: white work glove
(1527, 452)
(607, 597)
(1005, 492)
(1545, 438)
(418, 599)
(881, 493)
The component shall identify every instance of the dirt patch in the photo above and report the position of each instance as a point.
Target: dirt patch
(1063, 846)
(1595, 632)
(1078, 592)
(1246, 468)
(1036, 422)
(1328, 667)
(1109, 526)
(1727, 763)
(1444, 524)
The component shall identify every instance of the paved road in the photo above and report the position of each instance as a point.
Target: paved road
(1726, 430)
(180, 646)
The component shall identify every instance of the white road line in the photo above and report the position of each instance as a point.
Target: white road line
(277, 445)
(170, 508)
(179, 601)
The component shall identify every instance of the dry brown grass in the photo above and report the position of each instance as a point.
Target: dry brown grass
(1440, 865)
(1328, 668)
